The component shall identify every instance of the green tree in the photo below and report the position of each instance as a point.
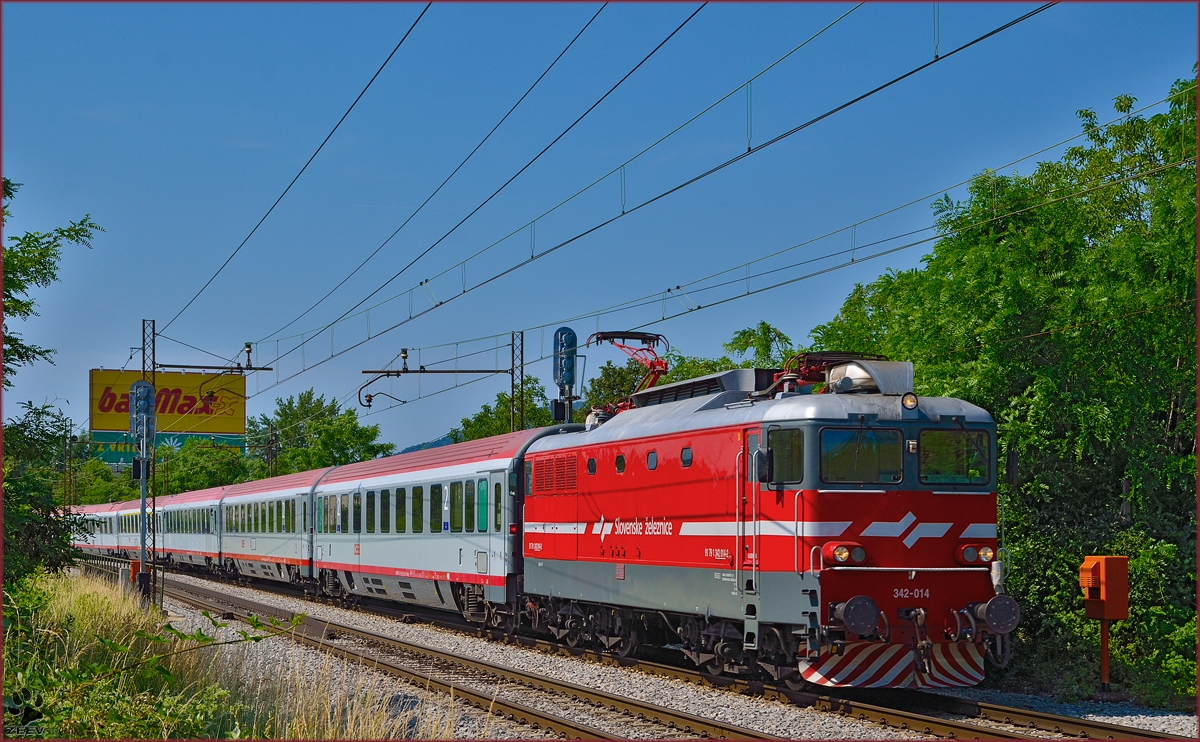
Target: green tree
(771, 347)
(95, 483)
(1064, 302)
(312, 433)
(495, 419)
(611, 385)
(761, 346)
(31, 261)
(198, 465)
(37, 533)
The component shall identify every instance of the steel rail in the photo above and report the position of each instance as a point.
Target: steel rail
(320, 632)
(244, 609)
(846, 701)
(1046, 722)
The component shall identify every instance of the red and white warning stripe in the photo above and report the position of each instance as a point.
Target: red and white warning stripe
(877, 665)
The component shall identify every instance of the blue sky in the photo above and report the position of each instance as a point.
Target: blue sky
(176, 126)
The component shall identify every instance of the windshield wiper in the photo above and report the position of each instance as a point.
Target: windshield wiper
(970, 439)
(862, 421)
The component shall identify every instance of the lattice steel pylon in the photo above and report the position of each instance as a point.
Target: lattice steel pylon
(149, 469)
(516, 409)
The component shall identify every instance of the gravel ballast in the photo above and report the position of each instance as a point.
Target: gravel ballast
(263, 659)
(773, 717)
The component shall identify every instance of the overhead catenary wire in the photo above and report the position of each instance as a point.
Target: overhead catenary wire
(532, 224)
(444, 182)
(302, 169)
(656, 296)
(846, 264)
(664, 194)
(525, 167)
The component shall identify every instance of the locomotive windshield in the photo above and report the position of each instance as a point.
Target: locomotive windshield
(955, 457)
(861, 456)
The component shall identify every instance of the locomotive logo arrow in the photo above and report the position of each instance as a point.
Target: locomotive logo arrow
(888, 529)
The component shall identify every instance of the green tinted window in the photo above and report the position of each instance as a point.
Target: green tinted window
(954, 457)
(482, 508)
(344, 519)
(499, 490)
(456, 507)
(385, 511)
(418, 509)
(401, 520)
(787, 455)
(469, 506)
(435, 508)
(860, 455)
(371, 511)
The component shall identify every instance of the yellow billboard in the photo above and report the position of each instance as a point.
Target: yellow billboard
(185, 403)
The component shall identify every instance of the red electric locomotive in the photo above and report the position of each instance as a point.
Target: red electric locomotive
(844, 538)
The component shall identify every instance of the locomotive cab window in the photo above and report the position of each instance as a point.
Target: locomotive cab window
(787, 455)
(954, 457)
(861, 455)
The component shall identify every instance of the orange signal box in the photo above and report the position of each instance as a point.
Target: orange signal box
(1105, 582)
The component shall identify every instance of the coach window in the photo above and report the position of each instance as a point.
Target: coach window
(344, 519)
(456, 507)
(279, 516)
(685, 456)
(652, 460)
(418, 509)
(304, 513)
(272, 516)
(331, 513)
(319, 512)
(497, 492)
(435, 508)
(370, 511)
(481, 509)
(620, 464)
(860, 455)
(401, 513)
(469, 506)
(385, 511)
(358, 519)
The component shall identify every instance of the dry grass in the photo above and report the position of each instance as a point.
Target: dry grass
(276, 688)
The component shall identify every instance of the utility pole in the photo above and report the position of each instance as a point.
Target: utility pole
(517, 395)
(143, 427)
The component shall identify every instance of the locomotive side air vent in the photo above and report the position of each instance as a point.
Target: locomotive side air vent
(873, 377)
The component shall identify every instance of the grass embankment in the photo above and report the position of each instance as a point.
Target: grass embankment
(83, 660)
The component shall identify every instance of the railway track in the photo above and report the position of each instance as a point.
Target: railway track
(468, 678)
(890, 708)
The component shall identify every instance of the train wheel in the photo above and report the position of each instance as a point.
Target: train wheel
(627, 646)
(573, 638)
(796, 682)
(716, 666)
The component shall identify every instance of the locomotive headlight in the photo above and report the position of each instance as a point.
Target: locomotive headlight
(970, 554)
(841, 553)
(986, 553)
(909, 400)
(858, 554)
